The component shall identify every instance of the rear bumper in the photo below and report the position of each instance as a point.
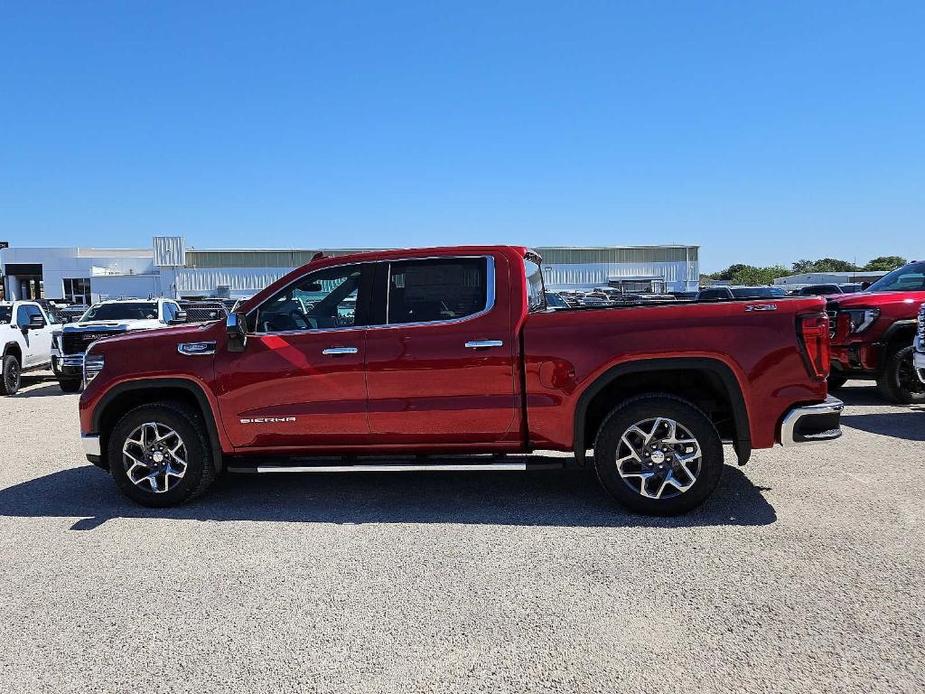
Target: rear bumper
(812, 423)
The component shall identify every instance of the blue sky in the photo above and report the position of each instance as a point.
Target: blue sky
(763, 132)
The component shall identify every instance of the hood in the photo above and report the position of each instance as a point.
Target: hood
(188, 331)
(873, 299)
(115, 325)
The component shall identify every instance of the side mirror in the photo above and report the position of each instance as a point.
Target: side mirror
(35, 322)
(235, 327)
(178, 319)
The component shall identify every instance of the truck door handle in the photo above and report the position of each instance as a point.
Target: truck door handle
(338, 351)
(483, 344)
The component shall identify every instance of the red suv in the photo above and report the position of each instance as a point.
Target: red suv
(872, 334)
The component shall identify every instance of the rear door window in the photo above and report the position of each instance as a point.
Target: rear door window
(439, 289)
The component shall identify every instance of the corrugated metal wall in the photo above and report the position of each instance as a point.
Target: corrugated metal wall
(679, 276)
(256, 258)
(617, 254)
(580, 268)
(169, 251)
(240, 280)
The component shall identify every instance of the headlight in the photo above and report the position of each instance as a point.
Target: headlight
(93, 364)
(860, 319)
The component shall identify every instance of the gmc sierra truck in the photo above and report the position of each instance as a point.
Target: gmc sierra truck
(453, 353)
(102, 320)
(26, 330)
(918, 356)
(872, 334)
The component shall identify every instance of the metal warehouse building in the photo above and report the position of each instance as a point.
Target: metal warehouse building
(171, 269)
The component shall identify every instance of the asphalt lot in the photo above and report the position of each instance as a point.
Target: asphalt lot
(804, 572)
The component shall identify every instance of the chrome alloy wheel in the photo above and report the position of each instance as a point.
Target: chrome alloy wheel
(658, 458)
(154, 457)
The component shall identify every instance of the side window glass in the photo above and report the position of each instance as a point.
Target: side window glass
(323, 299)
(169, 312)
(535, 297)
(423, 291)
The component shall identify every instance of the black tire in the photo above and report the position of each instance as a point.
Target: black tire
(836, 381)
(199, 472)
(627, 491)
(69, 385)
(897, 381)
(11, 376)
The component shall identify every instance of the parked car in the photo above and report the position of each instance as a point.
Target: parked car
(107, 319)
(853, 287)
(872, 334)
(72, 313)
(27, 332)
(452, 351)
(819, 290)
(203, 311)
(918, 356)
(739, 293)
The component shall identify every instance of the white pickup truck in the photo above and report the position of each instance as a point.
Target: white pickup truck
(105, 319)
(26, 332)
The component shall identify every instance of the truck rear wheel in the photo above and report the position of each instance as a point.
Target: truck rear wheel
(11, 376)
(659, 455)
(897, 380)
(159, 455)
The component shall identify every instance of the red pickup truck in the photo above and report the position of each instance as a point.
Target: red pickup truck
(452, 352)
(872, 334)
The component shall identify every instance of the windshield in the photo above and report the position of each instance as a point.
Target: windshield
(910, 278)
(6, 313)
(142, 310)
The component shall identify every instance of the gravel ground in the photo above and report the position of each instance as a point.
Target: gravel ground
(803, 573)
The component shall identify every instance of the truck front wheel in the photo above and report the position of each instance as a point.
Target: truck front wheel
(659, 455)
(159, 456)
(69, 385)
(11, 376)
(897, 381)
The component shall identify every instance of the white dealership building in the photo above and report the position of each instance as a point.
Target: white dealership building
(170, 268)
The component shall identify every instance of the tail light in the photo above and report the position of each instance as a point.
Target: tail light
(814, 334)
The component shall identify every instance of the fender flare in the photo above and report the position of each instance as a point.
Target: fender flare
(895, 328)
(186, 384)
(743, 440)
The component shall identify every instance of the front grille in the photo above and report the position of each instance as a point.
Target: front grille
(921, 326)
(833, 322)
(77, 342)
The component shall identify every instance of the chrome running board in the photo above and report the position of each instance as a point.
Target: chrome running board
(392, 468)
(514, 463)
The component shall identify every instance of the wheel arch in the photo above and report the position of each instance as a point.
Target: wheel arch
(125, 396)
(14, 349)
(691, 378)
(898, 332)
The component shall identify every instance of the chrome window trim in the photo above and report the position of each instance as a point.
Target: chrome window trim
(490, 292)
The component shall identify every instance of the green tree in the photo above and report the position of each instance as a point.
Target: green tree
(885, 263)
(823, 265)
(729, 272)
(833, 265)
(748, 274)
